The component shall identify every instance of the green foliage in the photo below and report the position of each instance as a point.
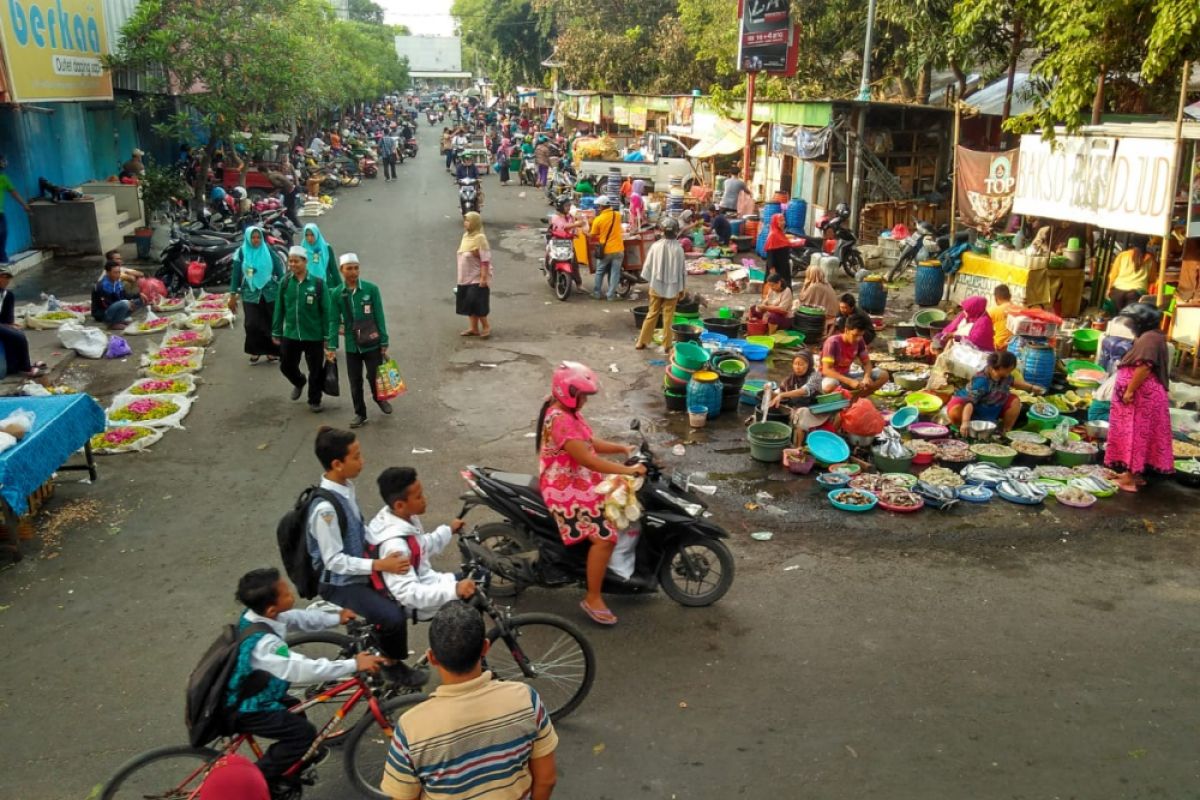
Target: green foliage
(160, 184)
(511, 38)
(366, 11)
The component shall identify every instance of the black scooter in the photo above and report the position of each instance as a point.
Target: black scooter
(678, 549)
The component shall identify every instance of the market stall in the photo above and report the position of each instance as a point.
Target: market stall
(1035, 286)
(63, 425)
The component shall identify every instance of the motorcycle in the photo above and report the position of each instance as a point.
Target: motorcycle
(433, 118)
(528, 175)
(561, 181)
(468, 195)
(923, 243)
(843, 244)
(560, 266)
(410, 148)
(677, 548)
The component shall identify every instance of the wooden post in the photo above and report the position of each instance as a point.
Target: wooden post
(1166, 242)
(954, 175)
(749, 147)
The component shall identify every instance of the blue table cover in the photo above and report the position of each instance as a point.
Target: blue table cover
(63, 424)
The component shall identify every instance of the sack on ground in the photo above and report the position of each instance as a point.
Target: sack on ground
(88, 342)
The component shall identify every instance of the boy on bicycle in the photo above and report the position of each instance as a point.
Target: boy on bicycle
(397, 529)
(266, 669)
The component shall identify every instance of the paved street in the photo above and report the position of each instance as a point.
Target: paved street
(1000, 655)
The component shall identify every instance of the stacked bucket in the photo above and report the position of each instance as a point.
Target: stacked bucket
(1036, 356)
(795, 216)
(612, 187)
(675, 197)
(769, 211)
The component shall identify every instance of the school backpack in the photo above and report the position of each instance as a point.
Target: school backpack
(292, 536)
(206, 713)
(373, 551)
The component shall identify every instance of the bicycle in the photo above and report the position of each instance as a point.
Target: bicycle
(543, 650)
(156, 774)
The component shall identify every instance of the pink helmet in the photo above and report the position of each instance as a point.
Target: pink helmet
(572, 379)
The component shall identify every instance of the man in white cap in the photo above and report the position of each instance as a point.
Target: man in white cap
(609, 237)
(299, 327)
(134, 167)
(356, 307)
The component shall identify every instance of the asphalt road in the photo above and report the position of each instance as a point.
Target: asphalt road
(997, 654)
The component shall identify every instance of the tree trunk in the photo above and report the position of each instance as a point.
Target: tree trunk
(960, 78)
(1012, 69)
(1098, 100)
(907, 90)
(923, 81)
(201, 181)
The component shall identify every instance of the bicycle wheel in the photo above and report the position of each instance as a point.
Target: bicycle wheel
(560, 657)
(165, 773)
(368, 743)
(331, 645)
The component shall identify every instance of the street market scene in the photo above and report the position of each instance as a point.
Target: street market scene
(531, 398)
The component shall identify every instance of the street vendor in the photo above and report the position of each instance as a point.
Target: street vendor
(841, 351)
(1129, 275)
(776, 306)
(797, 393)
(989, 396)
(974, 314)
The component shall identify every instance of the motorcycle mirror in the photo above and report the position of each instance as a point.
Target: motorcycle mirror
(635, 425)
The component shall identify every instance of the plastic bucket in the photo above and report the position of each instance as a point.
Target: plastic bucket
(142, 238)
(756, 328)
(697, 416)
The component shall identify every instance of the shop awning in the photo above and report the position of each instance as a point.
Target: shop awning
(725, 138)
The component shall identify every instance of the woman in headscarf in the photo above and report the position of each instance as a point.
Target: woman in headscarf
(637, 205)
(779, 251)
(982, 334)
(797, 393)
(817, 293)
(1139, 434)
(257, 271)
(321, 260)
(503, 154)
(473, 295)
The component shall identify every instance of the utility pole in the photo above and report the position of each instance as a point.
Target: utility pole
(864, 98)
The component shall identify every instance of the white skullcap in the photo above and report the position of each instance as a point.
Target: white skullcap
(297, 250)
(348, 258)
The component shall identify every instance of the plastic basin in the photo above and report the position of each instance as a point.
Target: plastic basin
(826, 447)
(756, 352)
(770, 433)
(732, 368)
(837, 493)
(1004, 461)
(922, 319)
(726, 327)
(886, 464)
(1066, 459)
(766, 341)
(714, 338)
(925, 403)
(904, 417)
(690, 355)
(1086, 340)
(1076, 364)
(768, 453)
(686, 332)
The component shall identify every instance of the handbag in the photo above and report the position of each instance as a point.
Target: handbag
(331, 387)
(365, 330)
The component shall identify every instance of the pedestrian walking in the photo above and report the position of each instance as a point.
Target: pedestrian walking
(299, 328)
(448, 147)
(667, 274)
(541, 157)
(7, 188)
(357, 308)
(387, 149)
(321, 258)
(473, 292)
(257, 271)
(12, 338)
(503, 154)
(610, 248)
(1139, 436)
(493, 736)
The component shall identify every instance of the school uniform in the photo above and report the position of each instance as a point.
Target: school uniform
(300, 325)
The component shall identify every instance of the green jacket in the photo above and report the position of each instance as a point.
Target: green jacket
(363, 303)
(239, 285)
(300, 310)
(327, 271)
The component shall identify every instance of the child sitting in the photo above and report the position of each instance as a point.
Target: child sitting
(397, 529)
(266, 669)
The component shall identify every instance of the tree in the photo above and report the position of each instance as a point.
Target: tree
(510, 36)
(366, 11)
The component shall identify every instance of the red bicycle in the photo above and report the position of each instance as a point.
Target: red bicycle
(177, 772)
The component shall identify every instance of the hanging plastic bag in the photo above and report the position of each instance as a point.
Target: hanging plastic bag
(117, 348)
(88, 342)
(389, 384)
(331, 386)
(862, 418)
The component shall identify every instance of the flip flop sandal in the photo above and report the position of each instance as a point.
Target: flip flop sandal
(39, 364)
(487, 335)
(254, 359)
(468, 333)
(272, 359)
(604, 617)
(34, 373)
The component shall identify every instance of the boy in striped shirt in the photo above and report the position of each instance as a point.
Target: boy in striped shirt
(474, 737)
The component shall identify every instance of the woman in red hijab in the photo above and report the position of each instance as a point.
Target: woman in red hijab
(779, 251)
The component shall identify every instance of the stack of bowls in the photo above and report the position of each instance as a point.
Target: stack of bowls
(768, 440)
(732, 371)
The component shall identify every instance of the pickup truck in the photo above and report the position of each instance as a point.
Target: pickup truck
(666, 157)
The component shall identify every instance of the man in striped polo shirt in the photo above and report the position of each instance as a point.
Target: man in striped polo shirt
(474, 737)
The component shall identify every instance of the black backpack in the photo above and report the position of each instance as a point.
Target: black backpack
(206, 713)
(292, 535)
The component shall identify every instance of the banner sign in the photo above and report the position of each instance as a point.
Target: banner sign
(52, 50)
(986, 183)
(767, 40)
(1114, 183)
(637, 117)
(682, 112)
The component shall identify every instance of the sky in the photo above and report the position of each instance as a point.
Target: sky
(425, 17)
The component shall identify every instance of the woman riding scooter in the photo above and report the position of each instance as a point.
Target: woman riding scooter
(570, 468)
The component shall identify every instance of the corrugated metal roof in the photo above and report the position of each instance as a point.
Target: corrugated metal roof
(990, 99)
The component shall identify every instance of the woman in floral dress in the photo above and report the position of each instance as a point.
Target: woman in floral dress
(570, 468)
(1139, 436)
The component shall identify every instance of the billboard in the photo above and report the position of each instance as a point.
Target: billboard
(52, 50)
(767, 40)
(431, 53)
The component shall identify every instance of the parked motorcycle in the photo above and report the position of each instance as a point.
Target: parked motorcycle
(214, 250)
(468, 195)
(560, 266)
(923, 243)
(410, 148)
(528, 175)
(677, 549)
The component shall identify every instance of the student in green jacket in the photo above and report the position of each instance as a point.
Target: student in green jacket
(300, 326)
(357, 308)
(320, 256)
(257, 270)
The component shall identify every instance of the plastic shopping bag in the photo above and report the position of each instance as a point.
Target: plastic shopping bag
(88, 342)
(389, 384)
(117, 348)
(331, 386)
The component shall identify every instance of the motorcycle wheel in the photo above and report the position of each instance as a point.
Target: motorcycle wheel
(696, 571)
(171, 279)
(563, 285)
(901, 267)
(624, 288)
(505, 541)
(853, 263)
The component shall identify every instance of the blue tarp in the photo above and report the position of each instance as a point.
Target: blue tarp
(63, 425)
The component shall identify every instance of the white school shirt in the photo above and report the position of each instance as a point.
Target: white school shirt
(323, 525)
(271, 653)
(422, 589)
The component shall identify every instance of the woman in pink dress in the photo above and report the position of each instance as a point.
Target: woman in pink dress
(1139, 433)
(570, 468)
